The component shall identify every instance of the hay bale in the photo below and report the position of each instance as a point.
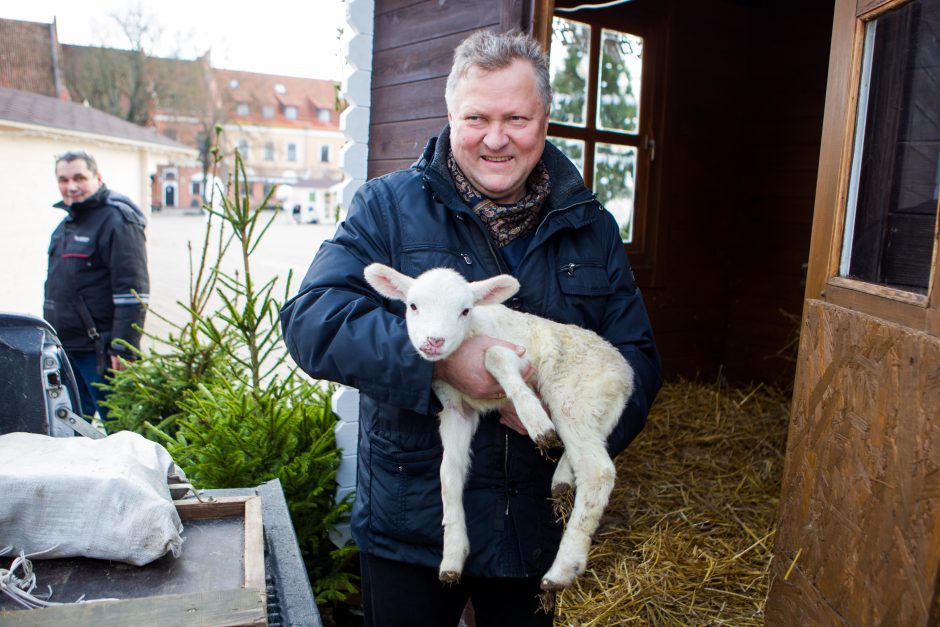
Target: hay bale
(688, 534)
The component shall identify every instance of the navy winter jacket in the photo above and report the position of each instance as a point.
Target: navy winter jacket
(338, 328)
(98, 254)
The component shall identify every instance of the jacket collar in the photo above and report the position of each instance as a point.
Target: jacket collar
(97, 199)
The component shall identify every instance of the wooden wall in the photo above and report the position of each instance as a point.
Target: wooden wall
(743, 96)
(413, 49)
(858, 512)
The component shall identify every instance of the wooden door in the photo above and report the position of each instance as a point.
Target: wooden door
(858, 539)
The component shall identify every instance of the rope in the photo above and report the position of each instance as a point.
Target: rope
(19, 587)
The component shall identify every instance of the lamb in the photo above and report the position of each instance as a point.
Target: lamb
(581, 378)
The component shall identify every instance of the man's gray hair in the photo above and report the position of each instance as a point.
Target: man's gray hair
(495, 51)
(73, 155)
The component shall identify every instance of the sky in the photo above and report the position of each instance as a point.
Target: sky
(287, 37)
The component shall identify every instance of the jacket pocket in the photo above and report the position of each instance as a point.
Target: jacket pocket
(584, 277)
(418, 258)
(405, 499)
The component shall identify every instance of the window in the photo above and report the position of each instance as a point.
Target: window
(170, 133)
(597, 80)
(233, 83)
(292, 152)
(267, 111)
(324, 115)
(894, 178)
(325, 153)
(269, 151)
(244, 149)
(196, 188)
(603, 114)
(290, 112)
(242, 108)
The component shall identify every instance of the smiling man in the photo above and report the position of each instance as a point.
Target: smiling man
(97, 286)
(488, 196)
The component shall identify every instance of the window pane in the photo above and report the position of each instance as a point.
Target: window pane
(570, 58)
(891, 210)
(621, 68)
(573, 149)
(614, 182)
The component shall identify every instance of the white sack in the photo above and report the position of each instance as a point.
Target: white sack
(106, 499)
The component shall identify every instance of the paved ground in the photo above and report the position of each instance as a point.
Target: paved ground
(286, 246)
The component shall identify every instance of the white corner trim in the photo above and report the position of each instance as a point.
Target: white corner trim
(357, 43)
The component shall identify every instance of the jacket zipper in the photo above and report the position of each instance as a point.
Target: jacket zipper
(506, 465)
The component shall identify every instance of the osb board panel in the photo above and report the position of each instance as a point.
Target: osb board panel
(861, 489)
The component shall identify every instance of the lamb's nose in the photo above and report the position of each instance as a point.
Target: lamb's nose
(436, 342)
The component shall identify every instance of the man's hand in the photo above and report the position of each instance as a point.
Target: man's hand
(509, 418)
(117, 363)
(464, 368)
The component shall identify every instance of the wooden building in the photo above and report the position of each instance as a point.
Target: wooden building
(761, 126)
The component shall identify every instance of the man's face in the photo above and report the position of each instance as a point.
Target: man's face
(497, 129)
(76, 182)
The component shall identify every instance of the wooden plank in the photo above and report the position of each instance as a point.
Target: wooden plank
(217, 609)
(432, 19)
(254, 545)
(406, 103)
(219, 507)
(403, 140)
(836, 135)
(861, 488)
(379, 168)
(513, 15)
(415, 62)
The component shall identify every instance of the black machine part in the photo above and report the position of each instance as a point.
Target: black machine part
(36, 379)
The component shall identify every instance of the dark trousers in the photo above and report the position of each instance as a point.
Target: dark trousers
(85, 367)
(395, 594)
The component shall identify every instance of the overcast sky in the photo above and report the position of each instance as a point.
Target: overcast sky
(292, 38)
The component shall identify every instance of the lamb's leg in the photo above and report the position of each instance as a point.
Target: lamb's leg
(505, 365)
(594, 474)
(457, 428)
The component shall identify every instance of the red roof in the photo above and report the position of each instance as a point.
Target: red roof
(311, 97)
(26, 57)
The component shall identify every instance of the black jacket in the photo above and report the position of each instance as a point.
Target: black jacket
(338, 328)
(98, 254)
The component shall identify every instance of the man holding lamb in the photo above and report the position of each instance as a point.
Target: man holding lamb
(489, 196)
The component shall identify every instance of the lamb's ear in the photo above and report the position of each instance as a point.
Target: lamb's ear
(387, 281)
(494, 290)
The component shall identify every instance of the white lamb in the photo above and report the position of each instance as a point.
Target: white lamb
(581, 378)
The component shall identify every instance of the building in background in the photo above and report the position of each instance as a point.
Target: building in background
(285, 128)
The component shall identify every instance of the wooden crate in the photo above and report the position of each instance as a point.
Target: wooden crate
(217, 581)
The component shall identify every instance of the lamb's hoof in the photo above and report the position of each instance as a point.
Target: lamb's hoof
(552, 586)
(561, 489)
(449, 576)
(547, 440)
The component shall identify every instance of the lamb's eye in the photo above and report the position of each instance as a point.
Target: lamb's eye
(465, 312)
(413, 307)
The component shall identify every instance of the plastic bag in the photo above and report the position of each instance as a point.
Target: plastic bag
(70, 497)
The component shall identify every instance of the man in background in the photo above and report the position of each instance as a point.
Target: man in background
(97, 285)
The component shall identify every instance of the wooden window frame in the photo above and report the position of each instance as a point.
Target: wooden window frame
(920, 312)
(646, 212)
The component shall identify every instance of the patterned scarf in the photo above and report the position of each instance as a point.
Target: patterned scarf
(505, 222)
